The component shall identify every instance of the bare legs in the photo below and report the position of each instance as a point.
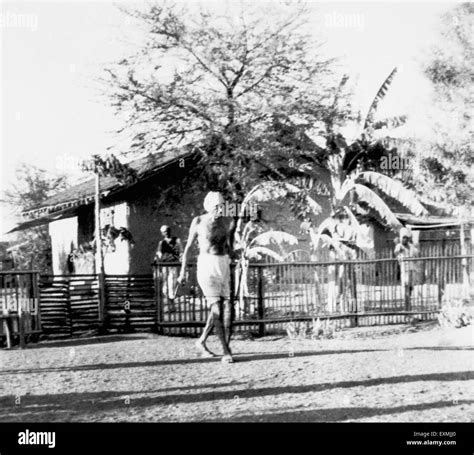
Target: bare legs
(227, 321)
(223, 331)
(201, 342)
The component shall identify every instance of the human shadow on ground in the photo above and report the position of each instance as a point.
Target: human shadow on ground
(70, 342)
(241, 357)
(35, 406)
(337, 414)
(441, 348)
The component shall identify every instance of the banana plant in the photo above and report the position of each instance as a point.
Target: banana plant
(252, 242)
(349, 196)
(354, 189)
(355, 185)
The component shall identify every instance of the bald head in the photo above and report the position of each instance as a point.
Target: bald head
(165, 230)
(213, 202)
(405, 235)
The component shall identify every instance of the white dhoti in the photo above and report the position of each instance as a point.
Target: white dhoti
(170, 275)
(213, 275)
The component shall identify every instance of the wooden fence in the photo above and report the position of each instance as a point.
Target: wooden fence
(427, 249)
(362, 292)
(19, 305)
(70, 304)
(131, 303)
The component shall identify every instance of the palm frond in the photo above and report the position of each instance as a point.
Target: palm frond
(346, 186)
(339, 247)
(379, 97)
(313, 205)
(361, 238)
(352, 218)
(396, 190)
(257, 251)
(352, 232)
(339, 231)
(329, 224)
(271, 190)
(376, 203)
(390, 122)
(333, 111)
(277, 237)
(341, 85)
(267, 191)
(248, 229)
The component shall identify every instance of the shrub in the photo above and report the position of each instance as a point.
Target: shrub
(315, 330)
(454, 313)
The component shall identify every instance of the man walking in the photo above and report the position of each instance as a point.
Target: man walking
(214, 234)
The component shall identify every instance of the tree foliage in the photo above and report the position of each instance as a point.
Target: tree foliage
(33, 186)
(220, 81)
(357, 188)
(110, 166)
(446, 164)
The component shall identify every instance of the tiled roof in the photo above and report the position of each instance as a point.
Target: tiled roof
(83, 193)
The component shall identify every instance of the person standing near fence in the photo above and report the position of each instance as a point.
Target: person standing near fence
(214, 234)
(169, 250)
(406, 250)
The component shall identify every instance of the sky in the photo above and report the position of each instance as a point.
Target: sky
(52, 53)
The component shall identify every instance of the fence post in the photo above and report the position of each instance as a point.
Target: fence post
(37, 296)
(465, 274)
(21, 326)
(102, 302)
(6, 327)
(231, 301)
(260, 302)
(407, 289)
(353, 293)
(440, 264)
(69, 307)
(158, 299)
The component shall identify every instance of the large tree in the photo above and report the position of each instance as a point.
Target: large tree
(33, 185)
(446, 159)
(221, 82)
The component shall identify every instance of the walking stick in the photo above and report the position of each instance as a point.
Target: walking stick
(176, 289)
(239, 280)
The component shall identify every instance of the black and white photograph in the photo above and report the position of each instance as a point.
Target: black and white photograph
(233, 211)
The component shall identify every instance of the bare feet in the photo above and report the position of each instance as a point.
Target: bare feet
(203, 351)
(227, 359)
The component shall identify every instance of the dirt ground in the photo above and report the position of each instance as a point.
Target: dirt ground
(384, 374)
